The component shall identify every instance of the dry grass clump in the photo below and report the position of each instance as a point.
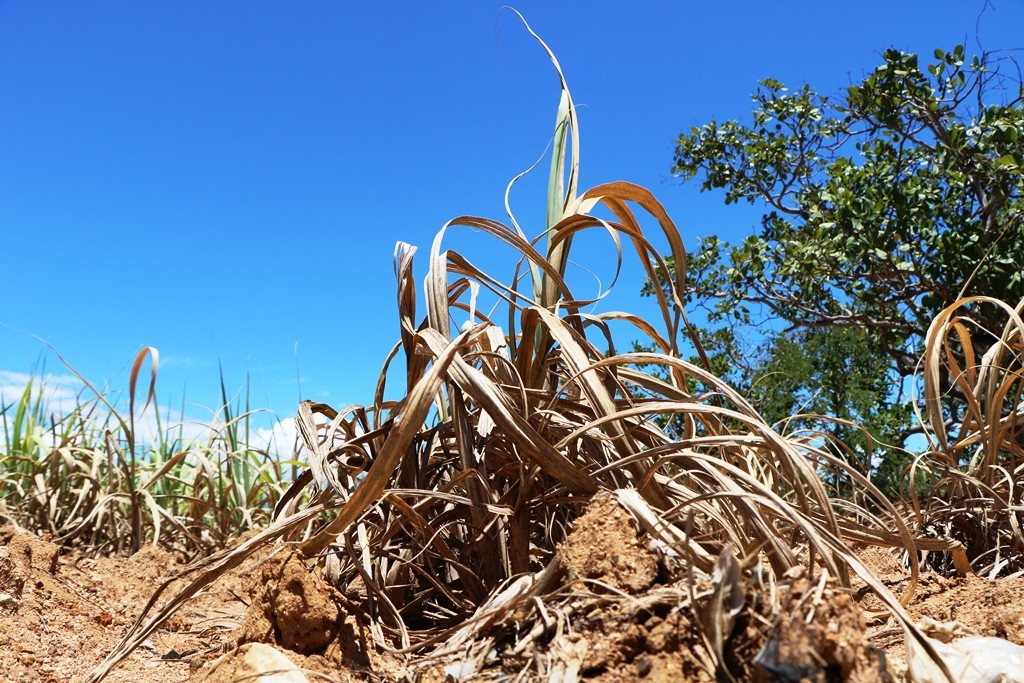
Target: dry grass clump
(99, 478)
(446, 508)
(977, 466)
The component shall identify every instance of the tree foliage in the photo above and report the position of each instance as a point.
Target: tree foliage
(881, 207)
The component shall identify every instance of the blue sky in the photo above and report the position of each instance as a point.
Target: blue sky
(227, 181)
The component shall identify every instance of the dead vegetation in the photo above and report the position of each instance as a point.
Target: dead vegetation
(520, 497)
(976, 472)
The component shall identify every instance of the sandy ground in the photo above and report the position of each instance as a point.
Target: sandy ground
(62, 613)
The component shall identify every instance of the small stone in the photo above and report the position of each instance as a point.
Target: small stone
(256, 662)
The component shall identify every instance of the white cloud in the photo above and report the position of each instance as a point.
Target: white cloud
(60, 393)
(171, 425)
(280, 440)
(63, 394)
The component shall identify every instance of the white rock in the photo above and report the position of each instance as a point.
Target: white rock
(258, 663)
(974, 659)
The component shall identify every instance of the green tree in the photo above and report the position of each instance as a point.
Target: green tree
(881, 207)
(826, 383)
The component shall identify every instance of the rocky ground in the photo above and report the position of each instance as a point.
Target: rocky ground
(62, 613)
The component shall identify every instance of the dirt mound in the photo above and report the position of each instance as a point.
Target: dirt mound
(980, 606)
(604, 547)
(292, 607)
(615, 636)
(820, 636)
(295, 610)
(638, 621)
